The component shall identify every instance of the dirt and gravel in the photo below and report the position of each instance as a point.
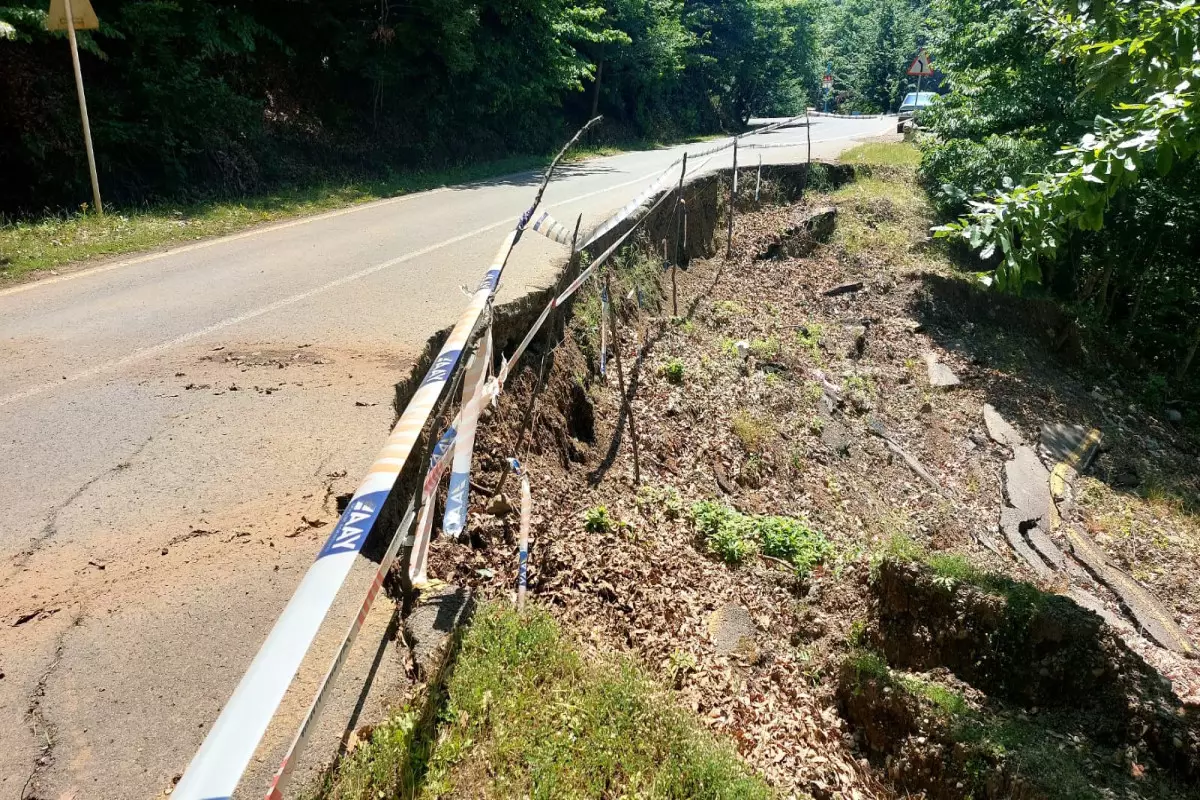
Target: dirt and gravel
(813, 387)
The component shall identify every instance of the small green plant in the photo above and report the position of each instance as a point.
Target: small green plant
(597, 520)
(673, 371)
(684, 324)
(858, 633)
(730, 543)
(753, 431)
(765, 349)
(723, 531)
(773, 380)
(792, 540)
(816, 424)
(728, 347)
(809, 338)
(859, 383)
(735, 536)
(679, 664)
(663, 500)
(724, 311)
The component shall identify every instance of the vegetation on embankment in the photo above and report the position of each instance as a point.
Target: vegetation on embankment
(747, 566)
(524, 714)
(1064, 154)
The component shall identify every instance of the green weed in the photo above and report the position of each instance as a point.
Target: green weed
(664, 500)
(597, 520)
(673, 371)
(809, 338)
(736, 536)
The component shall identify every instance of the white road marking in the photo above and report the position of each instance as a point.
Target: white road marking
(233, 237)
(146, 352)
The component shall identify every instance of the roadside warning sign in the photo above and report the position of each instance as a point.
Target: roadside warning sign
(81, 11)
(921, 65)
(827, 82)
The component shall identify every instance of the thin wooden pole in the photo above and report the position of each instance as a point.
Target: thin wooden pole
(758, 178)
(87, 128)
(732, 202)
(808, 160)
(680, 234)
(612, 312)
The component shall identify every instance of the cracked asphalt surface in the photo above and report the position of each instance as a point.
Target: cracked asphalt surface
(175, 428)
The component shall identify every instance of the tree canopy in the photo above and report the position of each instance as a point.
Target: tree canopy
(1065, 157)
(195, 97)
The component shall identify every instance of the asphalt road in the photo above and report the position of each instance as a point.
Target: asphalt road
(173, 428)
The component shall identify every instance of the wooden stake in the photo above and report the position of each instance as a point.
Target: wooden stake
(758, 179)
(680, 234)
(612, 312)
(808, 161)
(732, 199)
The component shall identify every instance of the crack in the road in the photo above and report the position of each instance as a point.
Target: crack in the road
(39, 726)
(50, 529)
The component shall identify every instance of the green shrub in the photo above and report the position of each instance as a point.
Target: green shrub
(597, 520)
(792, 540)
(673, 371)
(735, 536)
(959, 169)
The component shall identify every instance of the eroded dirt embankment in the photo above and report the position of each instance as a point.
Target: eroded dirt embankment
(802, 388)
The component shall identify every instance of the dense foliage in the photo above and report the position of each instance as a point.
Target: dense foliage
(870, 44)
(196, 97)
(1073, 126)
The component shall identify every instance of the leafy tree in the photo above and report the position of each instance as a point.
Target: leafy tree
(1094, 187)
(870, 44)
(198, 97)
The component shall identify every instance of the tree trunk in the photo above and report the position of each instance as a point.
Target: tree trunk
(1191, 353)
(596, 90)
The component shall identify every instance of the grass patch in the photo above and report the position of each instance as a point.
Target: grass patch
(752, 430)
(526, 716)
(735, 536)
(887, 154)
(883, 217)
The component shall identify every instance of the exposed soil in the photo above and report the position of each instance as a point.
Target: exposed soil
(829, 417)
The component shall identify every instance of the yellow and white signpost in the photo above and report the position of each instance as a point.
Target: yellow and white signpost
(70, 16)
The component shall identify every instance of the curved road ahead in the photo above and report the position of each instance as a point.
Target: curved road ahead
(173, 428)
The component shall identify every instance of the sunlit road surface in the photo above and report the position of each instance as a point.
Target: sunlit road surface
(173, 428)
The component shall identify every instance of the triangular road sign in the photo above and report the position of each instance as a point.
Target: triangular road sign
(81, 10)
(921, 66)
